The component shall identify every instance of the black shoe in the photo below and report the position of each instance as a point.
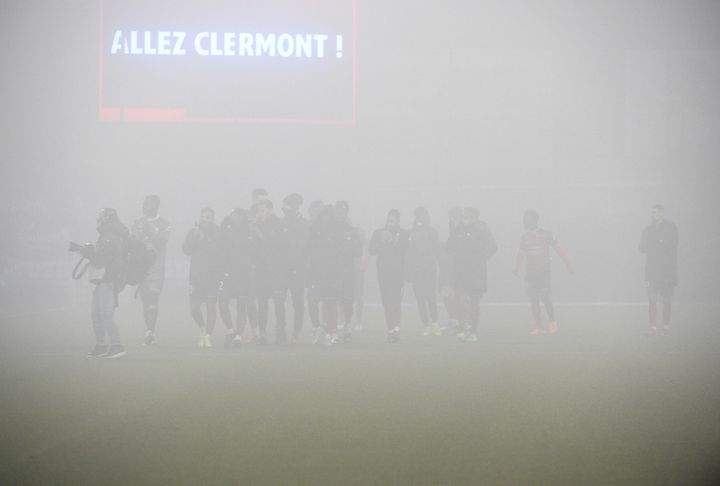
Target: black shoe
(115, 351)
(97, 351)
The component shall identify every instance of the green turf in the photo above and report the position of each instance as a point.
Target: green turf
(596, 404)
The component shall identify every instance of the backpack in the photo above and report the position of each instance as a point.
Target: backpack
(137, 260)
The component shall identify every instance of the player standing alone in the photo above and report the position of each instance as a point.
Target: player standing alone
(659, 242)
(535, 246)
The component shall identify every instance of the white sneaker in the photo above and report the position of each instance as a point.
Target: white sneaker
(427, 331)
(331, 339)
(436, 329)
(201, 341)
(207, 340)
(471, 338)
(315, 335)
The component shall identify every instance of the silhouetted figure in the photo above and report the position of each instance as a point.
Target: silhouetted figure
(327, 254)
(294, 261)
(315, 208)
(535, 245)
(153, 231)
(446, 278)
(201, 245)
(659, 242)
(470, 248)
(389, 245)
(348, 266)
(421, 269)
(238, 253)
(269, 268)
(107, 274)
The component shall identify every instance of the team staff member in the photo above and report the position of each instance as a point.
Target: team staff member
(659, 243)
(348, 266)
(389, 245)
(268, 275)
(421, 267)
(470, 248)
(294, 261)
(153, 231)
(238, 250)
(201, 245)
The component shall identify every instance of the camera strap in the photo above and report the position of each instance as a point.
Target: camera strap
(78, 272)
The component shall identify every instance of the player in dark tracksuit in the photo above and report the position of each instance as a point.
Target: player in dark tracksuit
(201, 244)
(389, 245)
(238, 250)
(268, 274)
(349, 266)
(421, 269)
(535, 246)
(447, 286)
(294, 261)
(470, 249)
(328, 251)
(315, 208)
(659, 243)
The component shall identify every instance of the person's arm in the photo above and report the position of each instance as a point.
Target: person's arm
(563, 256)
(491, 244)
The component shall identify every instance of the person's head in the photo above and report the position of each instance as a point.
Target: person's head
(238, 216)
(658, 213)
(393, 219)
(264, 210)
(258, 195)
(422, 216)
(106, 216)
(291, 204)
(342, 208)
(207, 216)
(151, 205)
(325, 216)
(455, 214)
(470, 215)
(531, 219)
(314, 209)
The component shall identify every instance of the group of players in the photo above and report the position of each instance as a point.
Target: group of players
(255, 256)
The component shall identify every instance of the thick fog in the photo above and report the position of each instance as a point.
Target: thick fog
(588, 112)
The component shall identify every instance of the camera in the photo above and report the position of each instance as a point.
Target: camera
(85, 250)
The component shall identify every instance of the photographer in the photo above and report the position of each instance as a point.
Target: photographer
(106, 267)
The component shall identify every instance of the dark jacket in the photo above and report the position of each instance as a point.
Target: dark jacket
(423, 252)
(294, 243)
(470, 248)
(201, 245)
(333, 249)
(270, 240)
(389, 246)
(659, 241)
(238, 247)
(109, 251)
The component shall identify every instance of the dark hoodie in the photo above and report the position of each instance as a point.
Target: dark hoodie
(109, 251)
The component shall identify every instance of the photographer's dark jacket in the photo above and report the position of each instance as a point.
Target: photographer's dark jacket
(109, 251)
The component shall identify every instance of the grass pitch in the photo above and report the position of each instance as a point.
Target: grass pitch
(597, 403)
